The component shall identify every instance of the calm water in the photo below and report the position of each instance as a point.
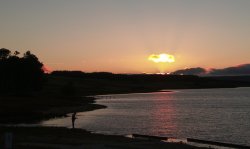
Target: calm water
(211, 114)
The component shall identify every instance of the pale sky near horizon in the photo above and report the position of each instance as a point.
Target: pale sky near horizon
(118, 35)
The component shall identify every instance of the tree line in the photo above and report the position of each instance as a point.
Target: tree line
(20, 73)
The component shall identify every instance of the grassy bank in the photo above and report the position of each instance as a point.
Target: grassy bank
(55, 138)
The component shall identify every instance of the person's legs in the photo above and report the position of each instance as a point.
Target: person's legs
(73, 124)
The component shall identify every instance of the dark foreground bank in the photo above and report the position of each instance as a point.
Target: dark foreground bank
(58, 137)
(34, 109)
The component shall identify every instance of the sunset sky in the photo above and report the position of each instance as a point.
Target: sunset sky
(119, 35)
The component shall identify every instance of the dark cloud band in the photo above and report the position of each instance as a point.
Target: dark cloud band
(235, 70)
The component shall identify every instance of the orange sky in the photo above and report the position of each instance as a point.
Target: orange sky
(118, 36)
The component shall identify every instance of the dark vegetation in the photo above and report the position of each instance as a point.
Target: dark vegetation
(28, 95)
(108, 83)
(19, 74)
(242, 78)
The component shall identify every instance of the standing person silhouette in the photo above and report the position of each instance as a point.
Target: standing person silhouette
(73, 118)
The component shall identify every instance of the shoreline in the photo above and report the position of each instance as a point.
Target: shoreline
(89, 105)
(61, 137)
(72, 104)
(146, 92)
(83, 104)
(32, 112)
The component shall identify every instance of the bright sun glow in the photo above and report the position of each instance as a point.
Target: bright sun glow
(161, 58)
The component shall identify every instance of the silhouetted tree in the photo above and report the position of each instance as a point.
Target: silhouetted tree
(19, 74)
(4, 53)
(16, 53)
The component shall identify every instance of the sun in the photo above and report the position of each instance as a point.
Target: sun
(162, 58)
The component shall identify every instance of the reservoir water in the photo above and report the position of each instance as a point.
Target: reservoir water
(210, 114)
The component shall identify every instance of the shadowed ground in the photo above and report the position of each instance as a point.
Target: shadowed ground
(63, 138)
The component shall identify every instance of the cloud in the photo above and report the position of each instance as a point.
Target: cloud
(190, 71)
(161, 58)
(236, 70)
(228, 71)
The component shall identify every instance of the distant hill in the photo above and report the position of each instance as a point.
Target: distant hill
(105, 82)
